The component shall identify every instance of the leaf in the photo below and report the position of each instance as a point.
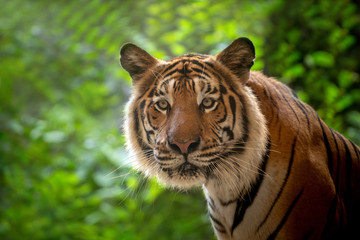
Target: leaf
(322, 59)
(54, 137)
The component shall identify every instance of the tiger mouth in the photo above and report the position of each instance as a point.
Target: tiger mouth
(187, 169)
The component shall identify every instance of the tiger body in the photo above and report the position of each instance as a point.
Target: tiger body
(270, 168)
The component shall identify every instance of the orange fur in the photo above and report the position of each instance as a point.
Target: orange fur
(269, 166)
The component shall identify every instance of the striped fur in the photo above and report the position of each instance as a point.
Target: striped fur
(269, 166)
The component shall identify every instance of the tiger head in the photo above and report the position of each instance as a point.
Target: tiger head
(192, 119)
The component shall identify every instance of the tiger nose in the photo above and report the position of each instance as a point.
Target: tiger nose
(185, 147)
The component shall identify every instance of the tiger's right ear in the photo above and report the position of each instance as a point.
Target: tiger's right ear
(136, 61)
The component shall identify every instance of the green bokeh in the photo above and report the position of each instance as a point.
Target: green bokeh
(64, 173)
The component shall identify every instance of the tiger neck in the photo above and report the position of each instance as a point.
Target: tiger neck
(229, 198)
(227, 206)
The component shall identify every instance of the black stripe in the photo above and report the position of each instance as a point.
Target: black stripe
(166, 73)
(170, 73)
(298, 102)
(169, 171)
(148, 117)
(148, 135)
(330, 217)
(151, 94)
(211, 204)
(294, 94)
(288, 103)
(189, 85)
(171, 66)
(197, 63)
(142, 105)
(223, 89)
(327, 146)
(245, 120)
(219, 229)
(291, 92)
(229, 132)
(193, 85)
(342, 216)
(239, 147)
(308, 234)
(245, 201)
(137, 125)
(217, 76)
(145, 92)
(218, 225)
(162, 150)
(194, 55)
(208, 87)
(201, 71)
(355, 148)
(302, 108)
(227, 203)
(216, 134)
(233, 109)
(142, 113)
(164, 158)
(274, 104)
(272, 101)
(225, 111)
(337, 177)
(265, 92)
(291, 160)
(164, 83)
(215, 90)
(199, 76)
(209, 147)
(141, 143)
(283, 221)
(240, 144)
(210, 65)
(348, 168)
(210, 68)
(210, 154)
(212, 160)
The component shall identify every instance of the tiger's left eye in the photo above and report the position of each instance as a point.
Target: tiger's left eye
(162, 104)
(207, 103)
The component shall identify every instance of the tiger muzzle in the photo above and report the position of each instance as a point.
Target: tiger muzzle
(184, 130)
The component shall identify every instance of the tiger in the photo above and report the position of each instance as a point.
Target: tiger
(269, 167)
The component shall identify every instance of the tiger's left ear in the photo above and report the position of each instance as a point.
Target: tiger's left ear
(136, 61)
(238, 57)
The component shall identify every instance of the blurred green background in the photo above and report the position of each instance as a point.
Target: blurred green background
(64, 173)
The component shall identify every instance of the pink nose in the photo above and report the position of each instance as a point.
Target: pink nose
(184, 147)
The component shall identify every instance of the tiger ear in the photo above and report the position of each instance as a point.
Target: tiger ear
(136, 61)
(238, 57)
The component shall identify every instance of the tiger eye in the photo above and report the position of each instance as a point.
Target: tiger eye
(162, 104)
(207, 102)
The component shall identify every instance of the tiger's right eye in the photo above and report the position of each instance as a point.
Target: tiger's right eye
(162, 105)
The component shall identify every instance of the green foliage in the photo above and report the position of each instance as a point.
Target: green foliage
(314, 48)
(63, 171)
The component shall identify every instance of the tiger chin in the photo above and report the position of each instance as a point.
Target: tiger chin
(269, 166)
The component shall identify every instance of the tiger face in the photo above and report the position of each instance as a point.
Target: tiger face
(188, 120)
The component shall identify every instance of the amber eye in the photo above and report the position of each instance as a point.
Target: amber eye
(207, 103)
(162, 105)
